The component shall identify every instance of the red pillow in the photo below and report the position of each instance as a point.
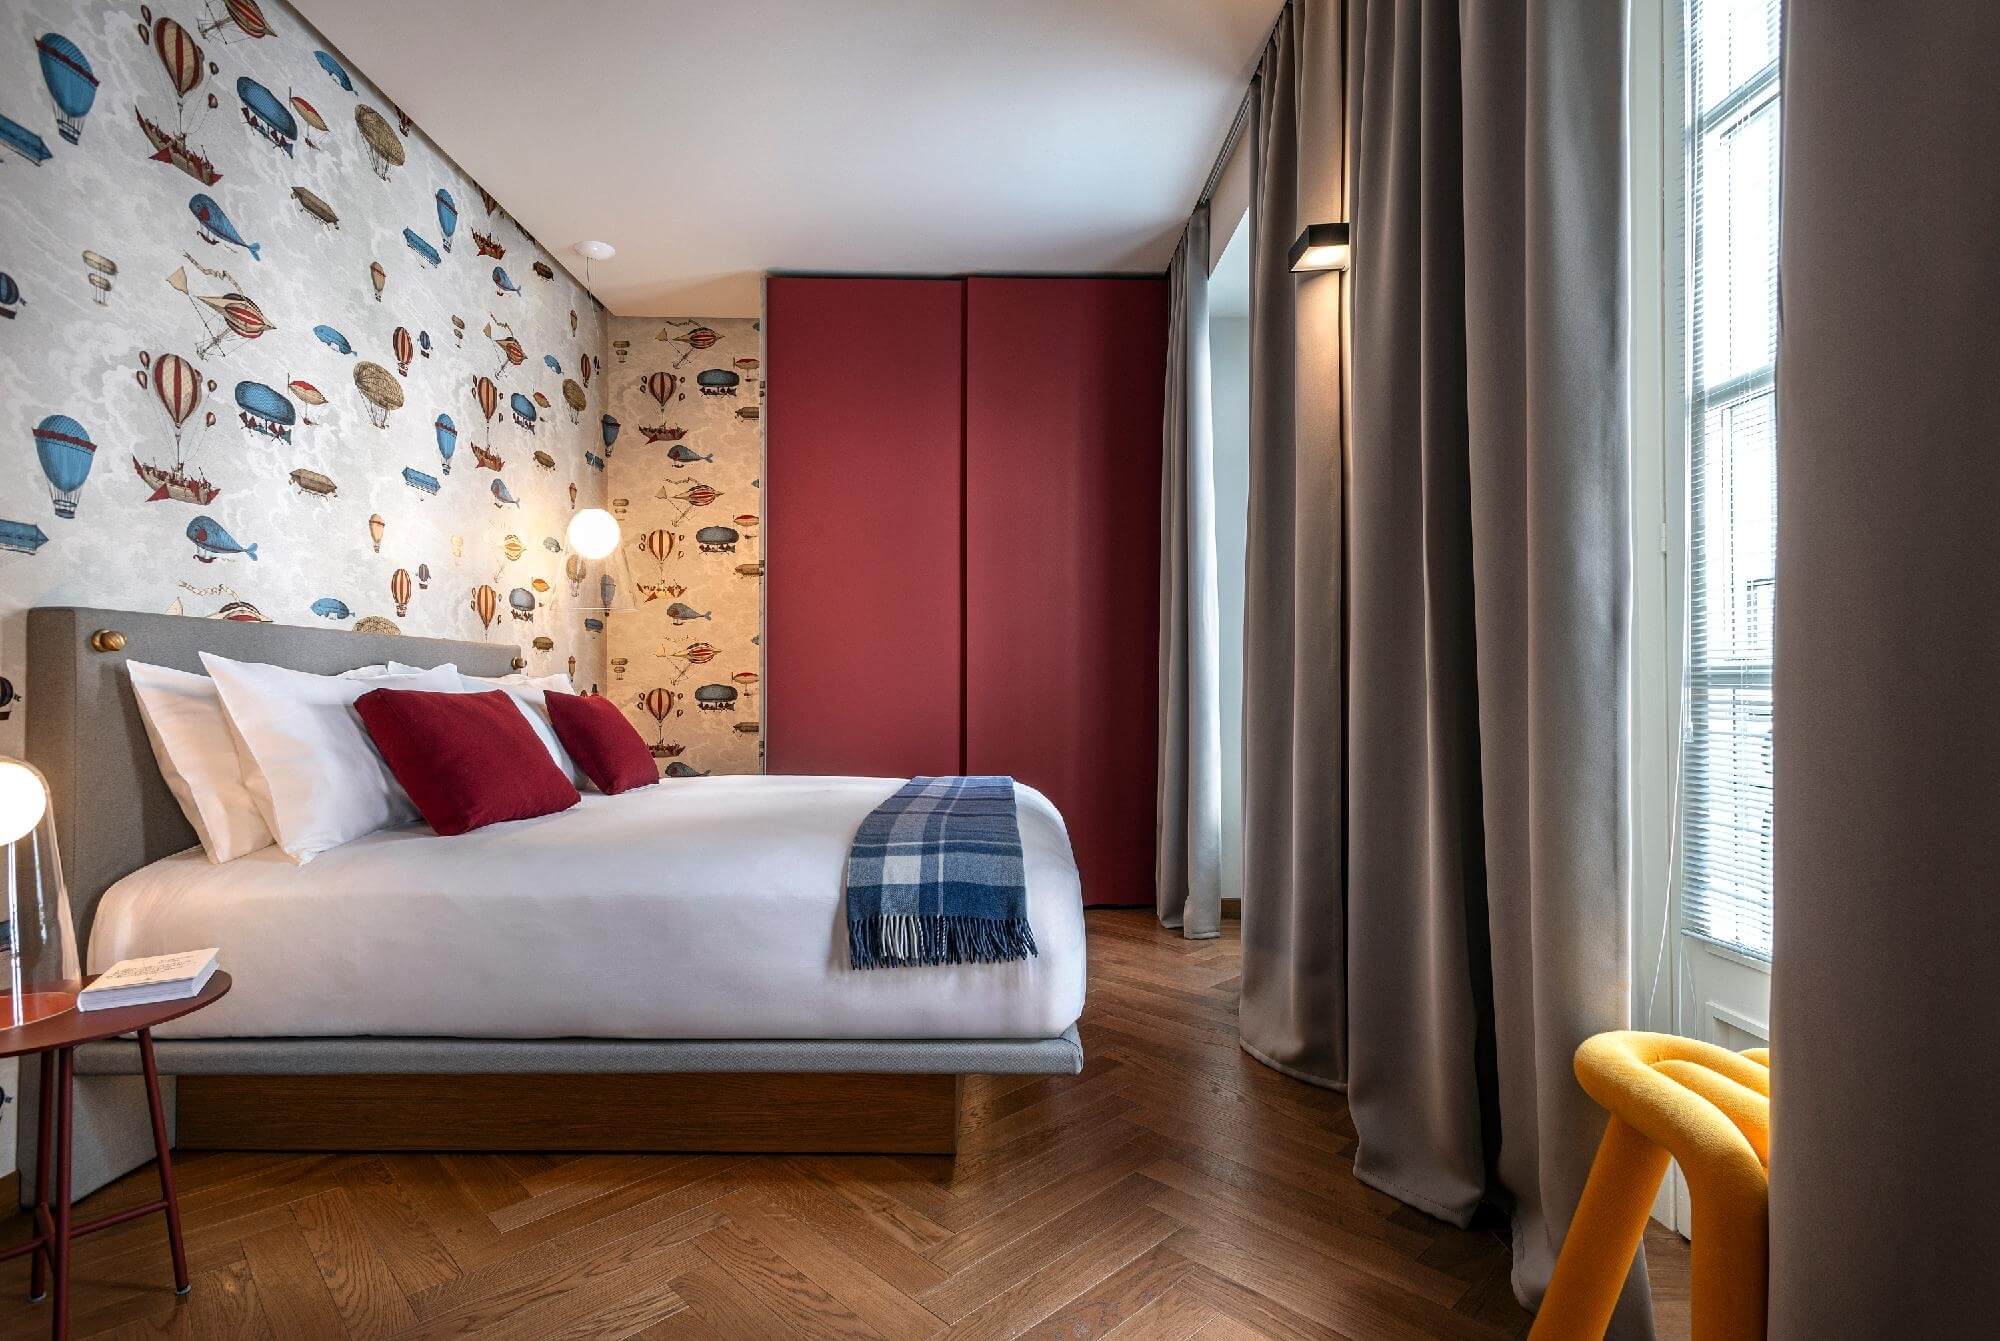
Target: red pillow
(467, 760)
(604, 745)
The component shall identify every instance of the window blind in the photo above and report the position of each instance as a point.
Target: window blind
(1730, 311)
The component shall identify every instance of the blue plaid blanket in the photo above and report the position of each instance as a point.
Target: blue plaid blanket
(935, 877)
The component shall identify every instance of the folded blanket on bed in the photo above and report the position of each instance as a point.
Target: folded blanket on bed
(935, 877)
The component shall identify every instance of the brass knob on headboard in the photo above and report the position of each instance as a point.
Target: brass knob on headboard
(519, 663)
(107, 640)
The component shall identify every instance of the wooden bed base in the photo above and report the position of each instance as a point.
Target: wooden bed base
(719, 1111)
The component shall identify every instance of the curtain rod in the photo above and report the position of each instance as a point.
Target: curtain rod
(1242, 119)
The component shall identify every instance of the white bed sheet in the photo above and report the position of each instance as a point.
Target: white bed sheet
(700, 908)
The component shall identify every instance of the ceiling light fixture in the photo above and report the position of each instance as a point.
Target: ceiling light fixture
(592, 251)
(1323, 246)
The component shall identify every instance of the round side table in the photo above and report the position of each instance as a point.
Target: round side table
(56, 1039)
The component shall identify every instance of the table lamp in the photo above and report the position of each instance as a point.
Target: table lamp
(41, 956)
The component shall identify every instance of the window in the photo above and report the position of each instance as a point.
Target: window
(1730, 172)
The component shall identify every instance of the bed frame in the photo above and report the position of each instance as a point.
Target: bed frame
(114, 815)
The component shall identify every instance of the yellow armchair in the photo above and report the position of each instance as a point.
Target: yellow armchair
(1707, 1107)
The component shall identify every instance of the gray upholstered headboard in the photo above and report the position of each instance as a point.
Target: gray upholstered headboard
(114, 813)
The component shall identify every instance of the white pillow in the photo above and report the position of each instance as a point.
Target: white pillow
(377, 671)
(197, 756)
(307, 760)
(530, 694)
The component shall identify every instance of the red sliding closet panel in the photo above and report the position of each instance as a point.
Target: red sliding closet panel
(863, 483)
(1064, 384)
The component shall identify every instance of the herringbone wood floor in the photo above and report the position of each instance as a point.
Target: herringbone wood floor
(1174, 1189)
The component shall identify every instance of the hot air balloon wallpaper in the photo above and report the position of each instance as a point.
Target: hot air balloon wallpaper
(447, 212)
(310, 115)
(485, 604)
(100, 271)
(202, 389)
(385, 150)
(245, 16)
(71, 83)
(379, 387)
(447, 439)
(225, 316)
(66, 453)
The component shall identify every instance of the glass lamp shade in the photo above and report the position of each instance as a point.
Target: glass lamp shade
(43, 972)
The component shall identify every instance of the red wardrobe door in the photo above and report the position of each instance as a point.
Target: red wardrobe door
(862, 479)
(1064, 384)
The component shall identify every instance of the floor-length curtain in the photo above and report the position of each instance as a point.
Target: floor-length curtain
(1293, 1007)
(1448, 961)
(1188, 865)
(1885, 1031)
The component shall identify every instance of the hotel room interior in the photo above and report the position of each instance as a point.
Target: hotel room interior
(861, 668)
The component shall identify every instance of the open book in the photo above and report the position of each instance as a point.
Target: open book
(141, 982)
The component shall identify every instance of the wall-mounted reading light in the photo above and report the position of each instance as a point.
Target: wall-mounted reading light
(1322, 246)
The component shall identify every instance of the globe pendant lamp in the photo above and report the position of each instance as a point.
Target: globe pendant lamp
(42, 966)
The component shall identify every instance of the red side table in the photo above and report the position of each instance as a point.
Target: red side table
(56, 1039)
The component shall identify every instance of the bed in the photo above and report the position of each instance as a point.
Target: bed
(659, 970)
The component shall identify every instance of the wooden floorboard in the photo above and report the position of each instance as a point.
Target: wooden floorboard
(1174, 1191)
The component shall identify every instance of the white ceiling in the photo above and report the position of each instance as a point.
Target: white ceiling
(712, 142)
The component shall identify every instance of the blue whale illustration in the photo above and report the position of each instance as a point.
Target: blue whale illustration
(329, 607)
(335, 69)
(216, 226)
(686, 455)
(555, 366)
(333, 339)
(502, 495)
(211, 541)
(680, 611)
(503, 282)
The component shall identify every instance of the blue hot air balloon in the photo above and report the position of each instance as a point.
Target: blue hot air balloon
(422, 483)
(265, 411)
(503, 496)
(333, 339)
(211, 542)
(555, 365)
(331, 607)
(67, 454)
(10, 296)
(447, 434)
(263, 113)
(335, 69)
(503, 282)
(593, 460)
(424, 342)
(22, 537)
(593, 625)
(216, 226)
(717, 382)
(522, 602)
(606, 590)
(524, 411)
(420, 247)
(70, 82)
(447, 216)
(611, 427)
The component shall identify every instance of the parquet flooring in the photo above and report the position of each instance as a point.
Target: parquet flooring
(1174, 1189)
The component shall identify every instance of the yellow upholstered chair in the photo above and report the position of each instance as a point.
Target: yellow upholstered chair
(1707, 1107)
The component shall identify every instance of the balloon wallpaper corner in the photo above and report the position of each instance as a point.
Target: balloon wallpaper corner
(266, 353)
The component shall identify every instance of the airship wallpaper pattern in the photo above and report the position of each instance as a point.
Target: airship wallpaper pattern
(266, 353)
(686, 404)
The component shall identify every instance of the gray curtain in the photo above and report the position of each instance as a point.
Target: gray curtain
(1885, 1030)
(1188, 864)
(1475, 933)
(1293, 1010)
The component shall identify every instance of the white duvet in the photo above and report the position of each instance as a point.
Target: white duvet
(697, 909)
